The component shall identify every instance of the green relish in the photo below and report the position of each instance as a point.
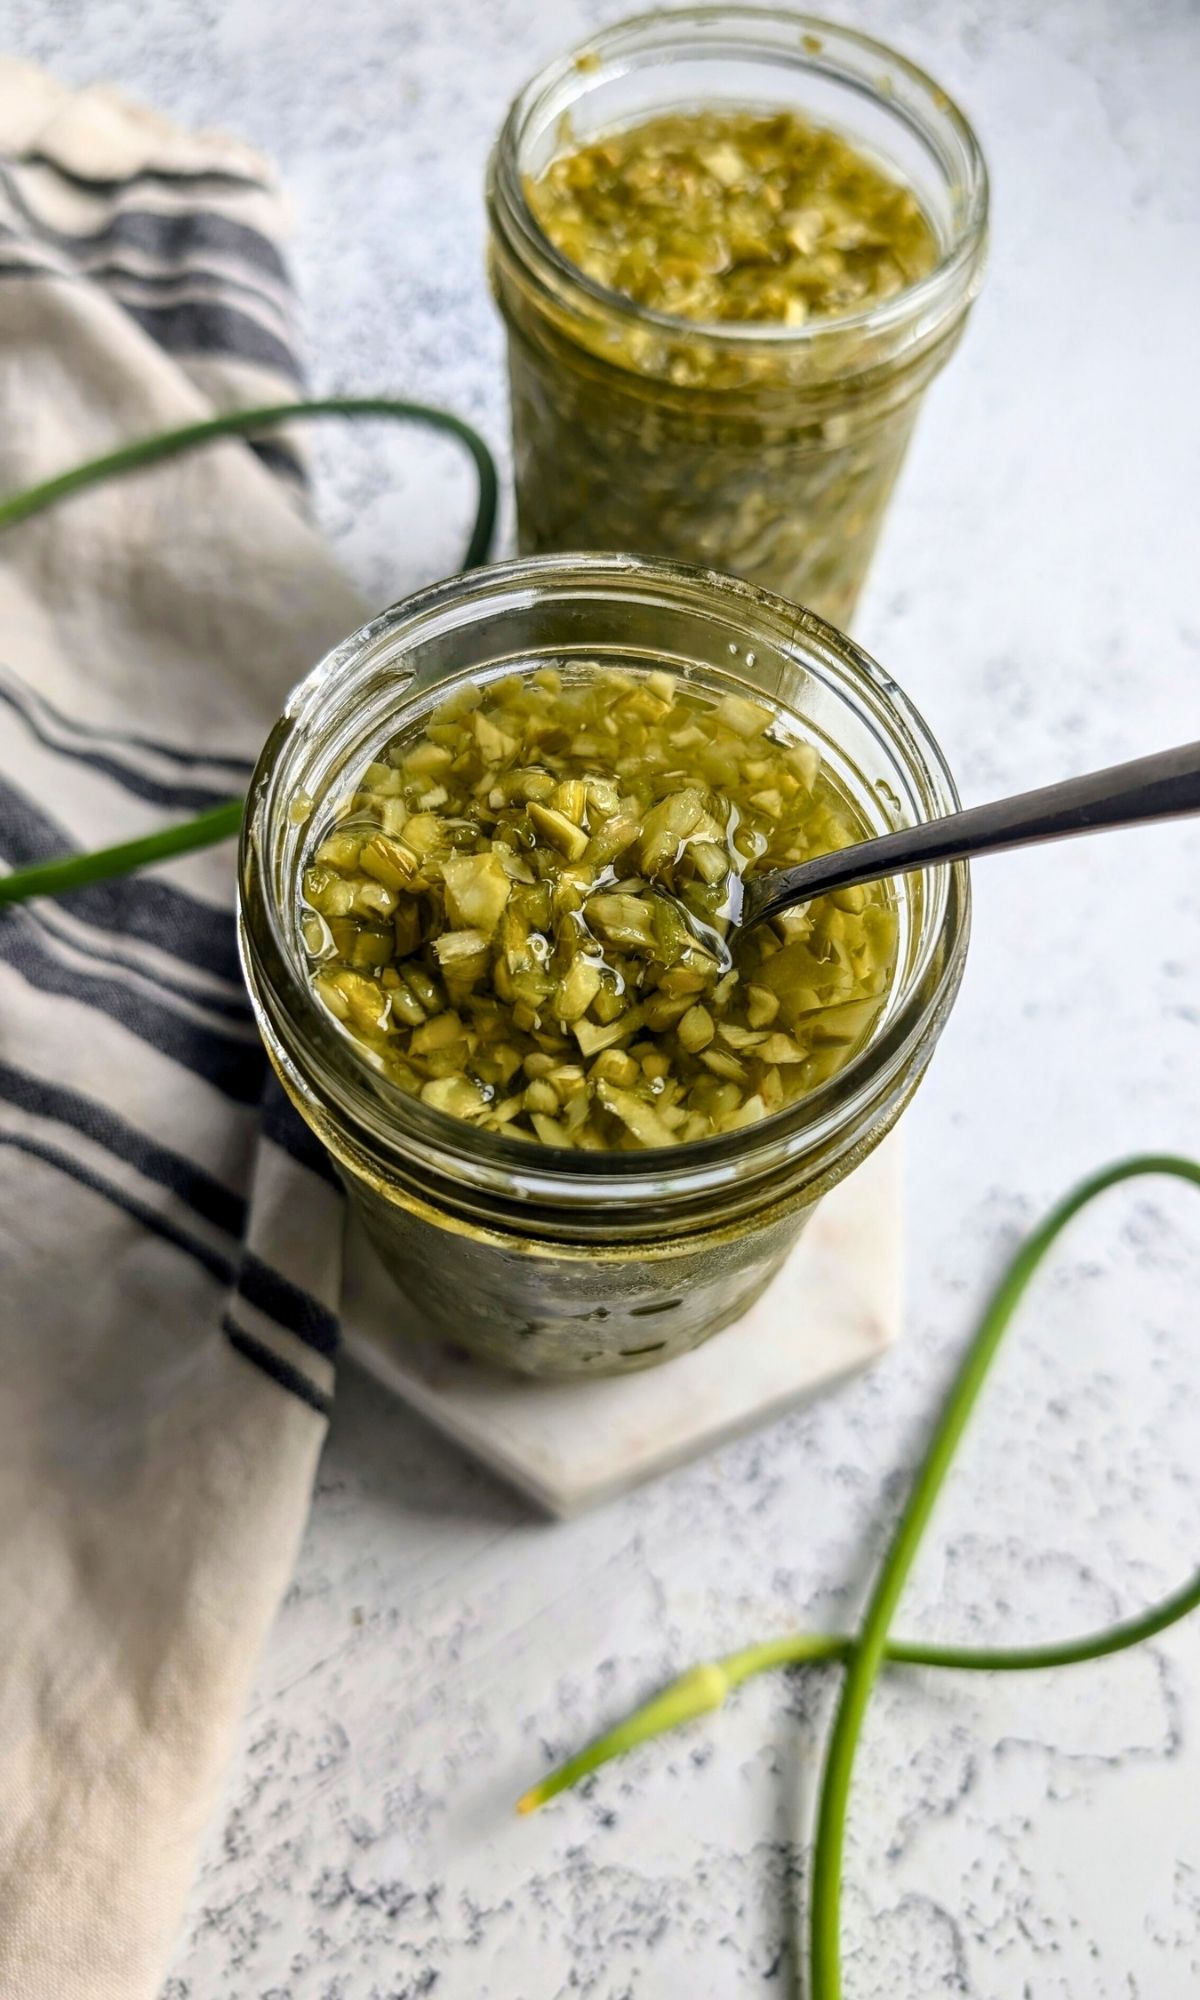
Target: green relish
(520, 911)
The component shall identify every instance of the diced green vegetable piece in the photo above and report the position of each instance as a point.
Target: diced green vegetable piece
(780, 1049)
(340, 849)
(844, 1024)
(745, 718)
(617, 834)
(721, 1063)
(747, 1113)
(540, 1095)
(639, 1117)
(406, 927)
(494, 745)
(623, 920)
(477, 889)
(709, 860)
(883, 932)
(687, 978)
(661, 1009)
(609, 1004)
(391, 862)
(449, 1061)
(455, 1094)
(425, 834)
(405, 1005)
(425, 988)
(722, 992)
(427, 759)
(372, 899)
(367, 1003)
(561, 832)
(327, 892)
(805, 761)
(696, 1029)
(549, 1130)
(592, 1037)
(439, 1033)
(761, 1006)
(666, 827)
(570, 798)
(614, 1066)
(316, 934)
(578, 989)
(740, 1038)
(371, 950)
(819, 1068)
(463, 957)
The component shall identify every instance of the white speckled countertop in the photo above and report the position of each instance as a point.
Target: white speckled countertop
(1036, 593)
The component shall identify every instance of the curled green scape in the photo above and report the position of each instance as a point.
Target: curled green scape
(55, 878)
(704, 1688)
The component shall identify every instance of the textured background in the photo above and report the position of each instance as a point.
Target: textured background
(1036, 594)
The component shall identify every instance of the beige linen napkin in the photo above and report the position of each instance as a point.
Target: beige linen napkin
(169, 1239)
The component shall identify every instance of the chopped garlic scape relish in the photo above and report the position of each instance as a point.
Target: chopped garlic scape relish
(735, 215)
(486, 913)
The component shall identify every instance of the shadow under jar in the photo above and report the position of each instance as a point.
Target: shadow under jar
(760, 448)
(543, 1259)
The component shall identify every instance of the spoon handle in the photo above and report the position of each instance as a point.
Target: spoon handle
(1164, 786)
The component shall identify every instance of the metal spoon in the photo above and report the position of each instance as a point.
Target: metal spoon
(1165, 786)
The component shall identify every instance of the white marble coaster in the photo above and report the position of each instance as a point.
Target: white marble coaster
(834, 1307)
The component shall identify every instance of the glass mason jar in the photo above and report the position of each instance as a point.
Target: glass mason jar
(550, 1261)
(765, 450)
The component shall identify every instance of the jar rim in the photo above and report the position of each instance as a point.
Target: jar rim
(785, 34)
(326, 1070)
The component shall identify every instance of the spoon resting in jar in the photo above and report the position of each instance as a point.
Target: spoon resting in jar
(1164, 786)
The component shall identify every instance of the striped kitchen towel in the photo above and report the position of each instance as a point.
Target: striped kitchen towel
(170, 1236)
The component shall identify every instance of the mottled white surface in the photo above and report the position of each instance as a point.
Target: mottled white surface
(1036, 592)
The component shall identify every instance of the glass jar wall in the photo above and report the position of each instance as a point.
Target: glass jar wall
(766, 450)
(545, 1260)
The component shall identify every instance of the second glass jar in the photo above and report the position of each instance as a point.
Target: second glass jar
(760, 449)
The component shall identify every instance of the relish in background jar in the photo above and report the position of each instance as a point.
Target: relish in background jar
(543, 1259)
(763, 449)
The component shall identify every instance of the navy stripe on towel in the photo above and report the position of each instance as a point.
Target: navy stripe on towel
(287, 1305)
(122, 281)
(42, 914)
(193, 1184)
(206, 326)
(136, 906)
(212, 1261)
(170, 238)
(182, 798)
(231, 1066)
(173, 177)
(124, 740)
(265, 1358)
(255, 1351)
